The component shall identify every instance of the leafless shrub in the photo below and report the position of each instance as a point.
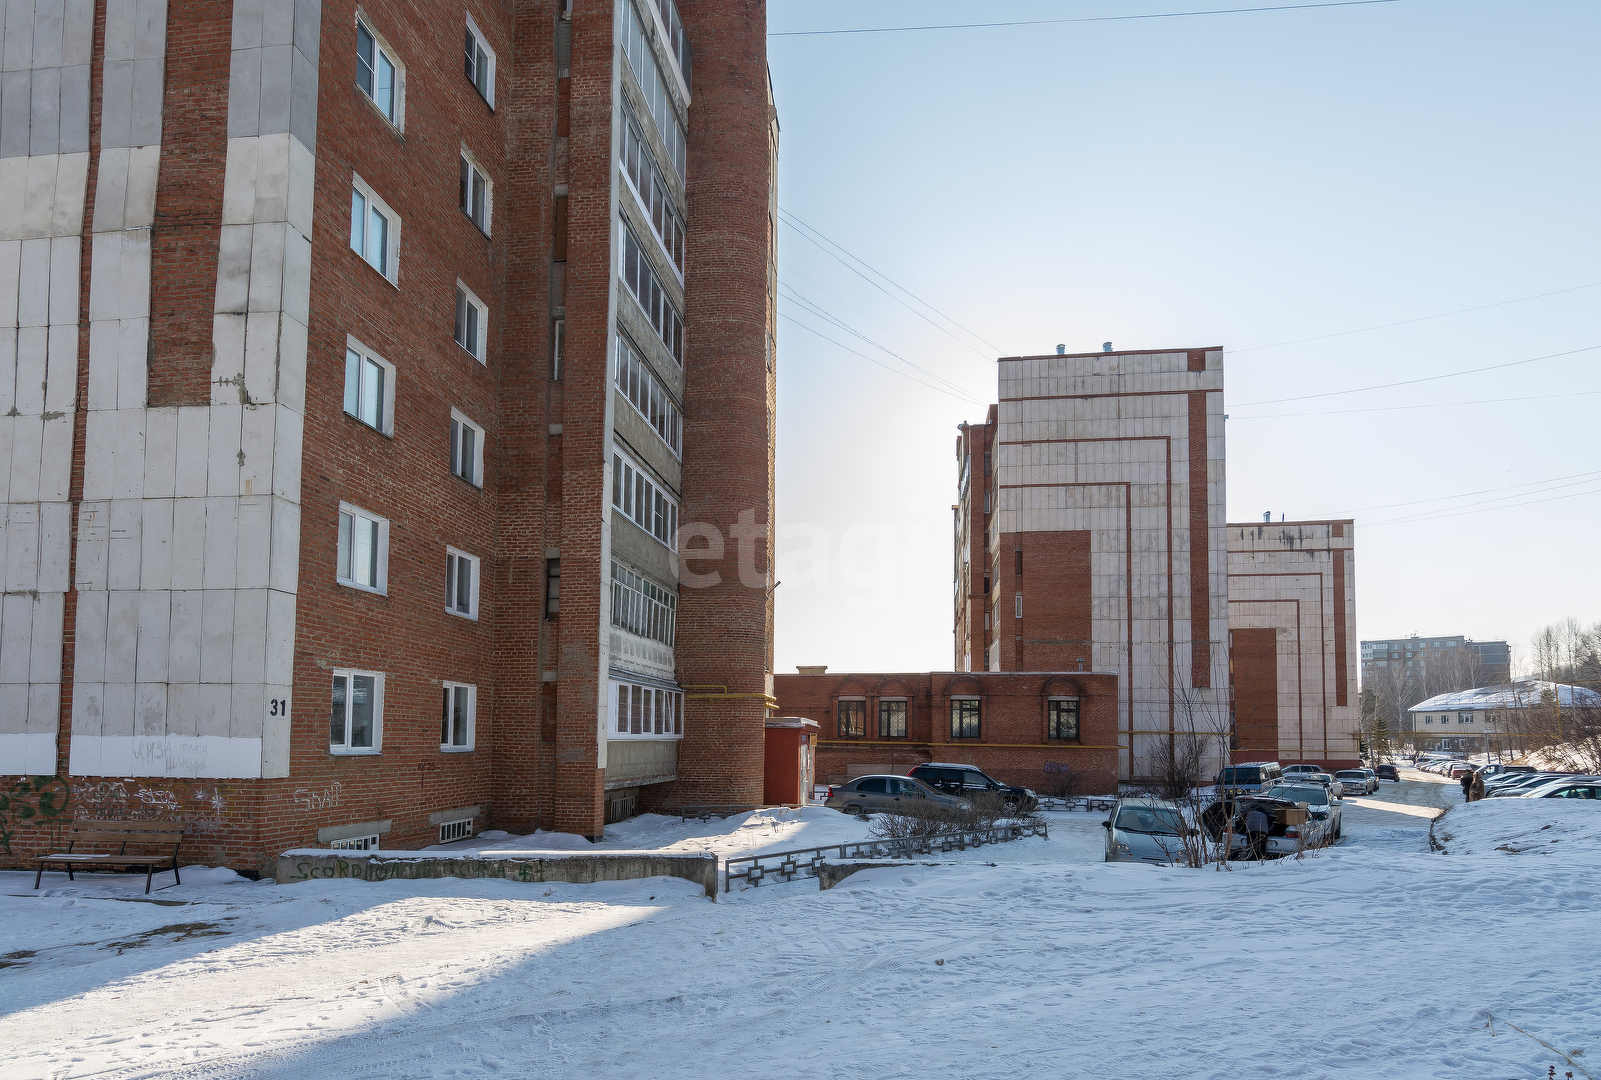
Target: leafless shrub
(984, 813)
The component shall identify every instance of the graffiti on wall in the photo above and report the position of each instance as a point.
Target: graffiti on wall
(327, 799)
(32, 802)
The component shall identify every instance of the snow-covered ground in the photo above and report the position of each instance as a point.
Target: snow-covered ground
(1374, 959)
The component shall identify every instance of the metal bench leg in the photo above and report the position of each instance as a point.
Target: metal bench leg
(149, 872)
(176, 880)
(69, 873)
(39, 875)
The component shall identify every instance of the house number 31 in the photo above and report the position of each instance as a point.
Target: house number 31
(278, 707)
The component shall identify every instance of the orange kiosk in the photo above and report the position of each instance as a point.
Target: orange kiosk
(791, 749)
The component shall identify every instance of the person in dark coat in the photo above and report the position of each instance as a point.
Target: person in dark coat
(1256, 826)
(1466, 780)
(1476, 791)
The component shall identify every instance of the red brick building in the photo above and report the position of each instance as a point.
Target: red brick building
(1037, 729)
(388, 415)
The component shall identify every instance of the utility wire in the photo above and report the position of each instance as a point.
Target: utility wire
(1408, 322)
(1470, 494)
(1435, 405)
(1484, 510)
(796, 297)
(817, 239)
(1412, 382)
(871, 360)
(1094, 19)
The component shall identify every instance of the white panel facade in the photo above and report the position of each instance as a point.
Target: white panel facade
(1102, 444)
(189, 529)
(44, 161)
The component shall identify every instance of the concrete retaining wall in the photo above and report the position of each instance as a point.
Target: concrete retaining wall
(307, 863)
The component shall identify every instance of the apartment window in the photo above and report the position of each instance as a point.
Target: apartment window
(642, 607)
(1428, 719)
(1465, 718)
(355, 719)
(558, 345)
(658, 100)
(456, 718)
(475, 193)
(643, 502)
(461, 583)
(374, 230)
(1061, 718)
(369, 387)
(1017, 606)
(363, 550)
(986, 463)
(376, 73)
(647, 393)
(964, 718)
(356, 843)
(852, 718)
(480, 64)
(553, 588)
(472, 323)
(466, 449)
(650, 187)
(646, 287)
(891, 718)
(646, 710)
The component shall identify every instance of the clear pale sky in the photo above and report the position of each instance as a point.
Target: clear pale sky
(1239, 180)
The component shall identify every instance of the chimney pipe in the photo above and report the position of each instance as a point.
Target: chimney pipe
(1267, 515)
(1106, 346)
(1061, 350)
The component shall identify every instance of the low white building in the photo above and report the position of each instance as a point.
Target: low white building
(1479, 720)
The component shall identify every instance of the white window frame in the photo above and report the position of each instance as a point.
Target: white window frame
(635, 610)
(453, 560)
(355, 843)
(487, 90)
(380, 45)
(478, 346)
(647, 291)
(636, 376)
(453, 688)
(663, 705)
(386, 423)
(459, 423)
(626, 490)
(381, 574)
(451, 831)
(475, 169)
(350, 674)
(391, 267)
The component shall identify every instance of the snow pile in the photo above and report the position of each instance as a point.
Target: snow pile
(1519, 826)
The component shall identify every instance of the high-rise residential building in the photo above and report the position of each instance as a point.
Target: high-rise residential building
(1090, 534)
(1461, 659)
(388, 400)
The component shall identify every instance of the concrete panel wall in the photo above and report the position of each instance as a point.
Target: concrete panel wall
(189, 530)
(1129, 448)
(44, 142)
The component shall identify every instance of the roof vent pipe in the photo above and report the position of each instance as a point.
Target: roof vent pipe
(1061, 350)
(1267, 515)
(1106, 346)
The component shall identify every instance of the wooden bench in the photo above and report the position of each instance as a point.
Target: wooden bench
(150, 844)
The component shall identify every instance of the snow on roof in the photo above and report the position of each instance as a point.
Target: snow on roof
(1514, 695)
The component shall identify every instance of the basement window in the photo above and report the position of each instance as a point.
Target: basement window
(455, 830)
(356, 843)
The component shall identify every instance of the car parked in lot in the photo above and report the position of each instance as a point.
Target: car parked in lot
(1561, 788)
(1387, 772)
(968, 781)
(1519, 785)
(1146, 830)
(887, 794)
(1323, 810)
(1248, 776)
(1355, 782)
(1496, 769)
(1456, 769)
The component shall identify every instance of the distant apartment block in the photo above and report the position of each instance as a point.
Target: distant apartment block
(1485, 663)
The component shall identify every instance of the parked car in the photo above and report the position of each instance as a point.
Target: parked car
(1248, 776)
(1520, 785)
(1556, 788)
(1497, 769)
(1387, 772)
(1456, 769)
(1291, 771)
(1146, 830)
(1374, 777)
(1324, 811)
(1282, 838)
(1355, 781)
(879, 794)
(1586, 789)
(966, 781)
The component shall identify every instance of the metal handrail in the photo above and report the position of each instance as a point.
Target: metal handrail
(789, 866)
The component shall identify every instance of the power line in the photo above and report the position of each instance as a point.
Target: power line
(1413, 382)
(869, 359)
(796, 297)
(1435, 405)
(804, 229)
(1483, 510)
(1408, 322)
(1470, 494)
(1095, 19)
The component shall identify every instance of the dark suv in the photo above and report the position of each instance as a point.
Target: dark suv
(967, 781)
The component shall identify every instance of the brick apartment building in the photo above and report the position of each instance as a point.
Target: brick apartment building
(363, 371)
(1090, 549)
